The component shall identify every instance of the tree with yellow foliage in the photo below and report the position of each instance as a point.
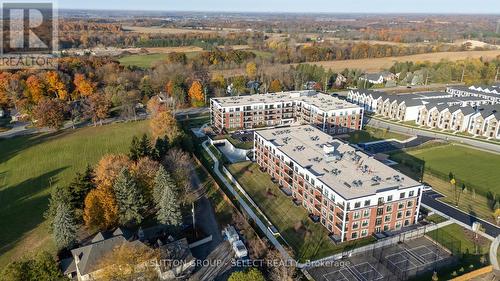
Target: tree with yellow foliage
(83, 86)
(275, 86)
(196, 95)
(100, 209)
(130, 261)
(251, 70)
(55, 85)
(164, 124)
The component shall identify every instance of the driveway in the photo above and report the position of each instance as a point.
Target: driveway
(429, 199)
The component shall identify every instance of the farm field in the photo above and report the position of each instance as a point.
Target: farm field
(30, 164)
(168, 30)
(377, 64)
(308, 240)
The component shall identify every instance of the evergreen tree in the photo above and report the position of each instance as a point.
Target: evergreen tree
(169, 211)
(134, 149)
(129, 198)
(81, 186)
(64, 226)
(145, 149)
(163, 180)
(58, 195)
(160, 149)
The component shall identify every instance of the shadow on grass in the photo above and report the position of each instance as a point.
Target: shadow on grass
(12, 146)
(22, 207)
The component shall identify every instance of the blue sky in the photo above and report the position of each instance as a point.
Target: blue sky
(331, 6)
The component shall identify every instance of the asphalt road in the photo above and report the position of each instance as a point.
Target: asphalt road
(415, 131)
(429, 198)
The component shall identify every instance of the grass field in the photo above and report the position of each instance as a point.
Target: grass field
(146, 61)
(29, 164)
(467, 164)
(369, 134)
(310, 243)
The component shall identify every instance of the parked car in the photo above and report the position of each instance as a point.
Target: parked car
(239, 249)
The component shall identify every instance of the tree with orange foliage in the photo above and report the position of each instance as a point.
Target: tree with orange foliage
(196, 95)
(5, 99)
(164, 124)
(100, 209)
(275, 86)
(83, 86)
(49, 113)
(35, 88)
(97, 107)
(55, 85)
(108, 168)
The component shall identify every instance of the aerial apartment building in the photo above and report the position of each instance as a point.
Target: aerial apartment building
(352, 194)
(330, 114)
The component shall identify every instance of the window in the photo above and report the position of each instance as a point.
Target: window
(407, 222)
(398, 225)
(380, 211)
(364, 232)
(400, 206)
(354, 235)
(400, 215)
(389, 198)
(387, 218)
(356, 215)
(411, 193)
(409, 204)
(388, 208)
(366, 213)
(364, 223)
(355, 225)
(367, 203)
(401, 195)
(408, 213)
(378, 221)
(357, 204)
(386, 227)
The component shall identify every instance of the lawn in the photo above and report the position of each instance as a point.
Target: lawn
(30, 164)
(369, 134)
(312, 241)
(473, 167)
(435, 218)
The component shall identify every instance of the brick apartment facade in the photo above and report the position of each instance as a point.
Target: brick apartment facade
(330, 114)
(353, 194)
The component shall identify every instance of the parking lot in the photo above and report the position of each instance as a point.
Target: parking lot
(397, 262)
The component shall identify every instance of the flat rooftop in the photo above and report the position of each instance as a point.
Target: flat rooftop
(322, 101)
(338, 165)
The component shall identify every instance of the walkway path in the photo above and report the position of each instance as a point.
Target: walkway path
(263, 227)
(429, 200)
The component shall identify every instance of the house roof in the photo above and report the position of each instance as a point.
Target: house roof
(90, 256)
(175, 251)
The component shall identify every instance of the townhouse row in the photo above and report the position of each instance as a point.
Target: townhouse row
(330, 114)
(451, 111)
(352, 194)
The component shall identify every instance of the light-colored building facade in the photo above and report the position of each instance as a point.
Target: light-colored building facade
(351, 193)
(330, 114)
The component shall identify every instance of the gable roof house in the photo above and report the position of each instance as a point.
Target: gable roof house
(86, 261)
